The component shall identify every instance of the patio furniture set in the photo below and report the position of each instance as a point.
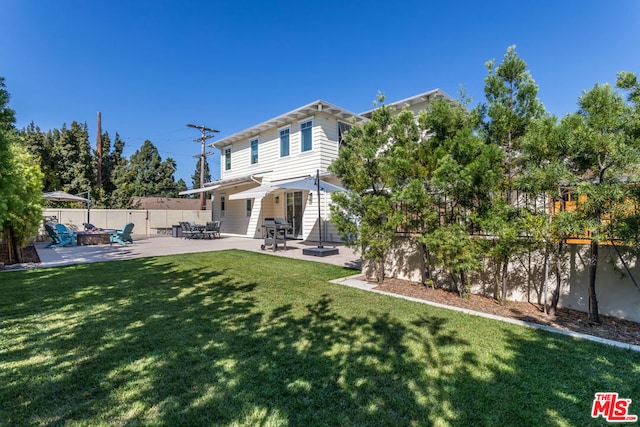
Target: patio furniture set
(62, 236)
(191, 230)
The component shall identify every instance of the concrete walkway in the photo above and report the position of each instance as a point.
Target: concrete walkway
(158, 246)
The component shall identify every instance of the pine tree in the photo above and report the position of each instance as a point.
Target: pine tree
(604, 156)
(512, 104)
(366, 215)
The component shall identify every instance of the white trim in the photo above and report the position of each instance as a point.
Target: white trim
(300, 123)
(280, 129)
(256, 138)
(227, 149)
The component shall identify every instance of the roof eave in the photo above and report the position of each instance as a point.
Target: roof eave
(431, 95)
(283, 119)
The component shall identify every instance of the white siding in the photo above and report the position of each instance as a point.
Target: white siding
(297, 164)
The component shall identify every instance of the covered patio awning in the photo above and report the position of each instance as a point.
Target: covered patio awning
(254, 193)
(223, 182)
(198, 190)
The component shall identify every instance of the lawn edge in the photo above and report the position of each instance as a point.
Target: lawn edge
(355, 282)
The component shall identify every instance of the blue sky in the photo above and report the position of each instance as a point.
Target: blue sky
(151, 67)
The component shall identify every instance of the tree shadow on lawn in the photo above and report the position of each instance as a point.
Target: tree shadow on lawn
(196, 345)
(546, 379)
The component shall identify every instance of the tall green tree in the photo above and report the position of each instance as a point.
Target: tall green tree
(117, 192)
(512, 104)
(144, 174)
(72, 159)
(544, 155)
(20, 184)
(605, 157)
(366, 215)
(463, 172)
(195, 177)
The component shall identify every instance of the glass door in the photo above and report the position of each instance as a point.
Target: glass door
(294, 213)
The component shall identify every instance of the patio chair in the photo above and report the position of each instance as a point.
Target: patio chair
(212, 229)
(90, 227)
(187, 231)
(60, 235)
(122, 236)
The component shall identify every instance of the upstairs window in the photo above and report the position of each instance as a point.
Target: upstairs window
(227, 158)
(342, 129)
(284, 142)
(306, 143)
(254, 151)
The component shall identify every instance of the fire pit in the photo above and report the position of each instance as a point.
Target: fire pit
(85, 238)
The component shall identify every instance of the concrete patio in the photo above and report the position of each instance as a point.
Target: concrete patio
(158, 246)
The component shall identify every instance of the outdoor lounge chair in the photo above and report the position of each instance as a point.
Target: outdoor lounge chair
(212, 229)
(187, 231)
(122, 236)
(60, 235)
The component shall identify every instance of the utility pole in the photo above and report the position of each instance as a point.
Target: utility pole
(205, 131)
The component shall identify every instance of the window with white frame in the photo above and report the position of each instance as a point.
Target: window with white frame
(342, 129)
(227, 158)
(222, 207)
(306, 139)
(254, 151)
(284, 142)
(249, 207)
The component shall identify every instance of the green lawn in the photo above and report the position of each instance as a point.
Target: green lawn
(238, 338)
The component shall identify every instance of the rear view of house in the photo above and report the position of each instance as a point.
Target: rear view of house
(285, 148)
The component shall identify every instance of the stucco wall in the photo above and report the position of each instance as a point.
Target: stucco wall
(616, 293)
(147, 222)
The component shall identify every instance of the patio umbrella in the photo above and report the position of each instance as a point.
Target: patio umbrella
(310, 183)
(61, 196)
(314, 183)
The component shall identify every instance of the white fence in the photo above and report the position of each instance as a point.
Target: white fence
(148, 223)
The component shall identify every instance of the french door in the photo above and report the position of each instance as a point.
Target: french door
(294, 213)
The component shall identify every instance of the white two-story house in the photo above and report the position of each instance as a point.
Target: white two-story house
(288, 147)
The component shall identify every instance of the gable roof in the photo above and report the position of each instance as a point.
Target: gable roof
(431, 95)
(283, 119)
